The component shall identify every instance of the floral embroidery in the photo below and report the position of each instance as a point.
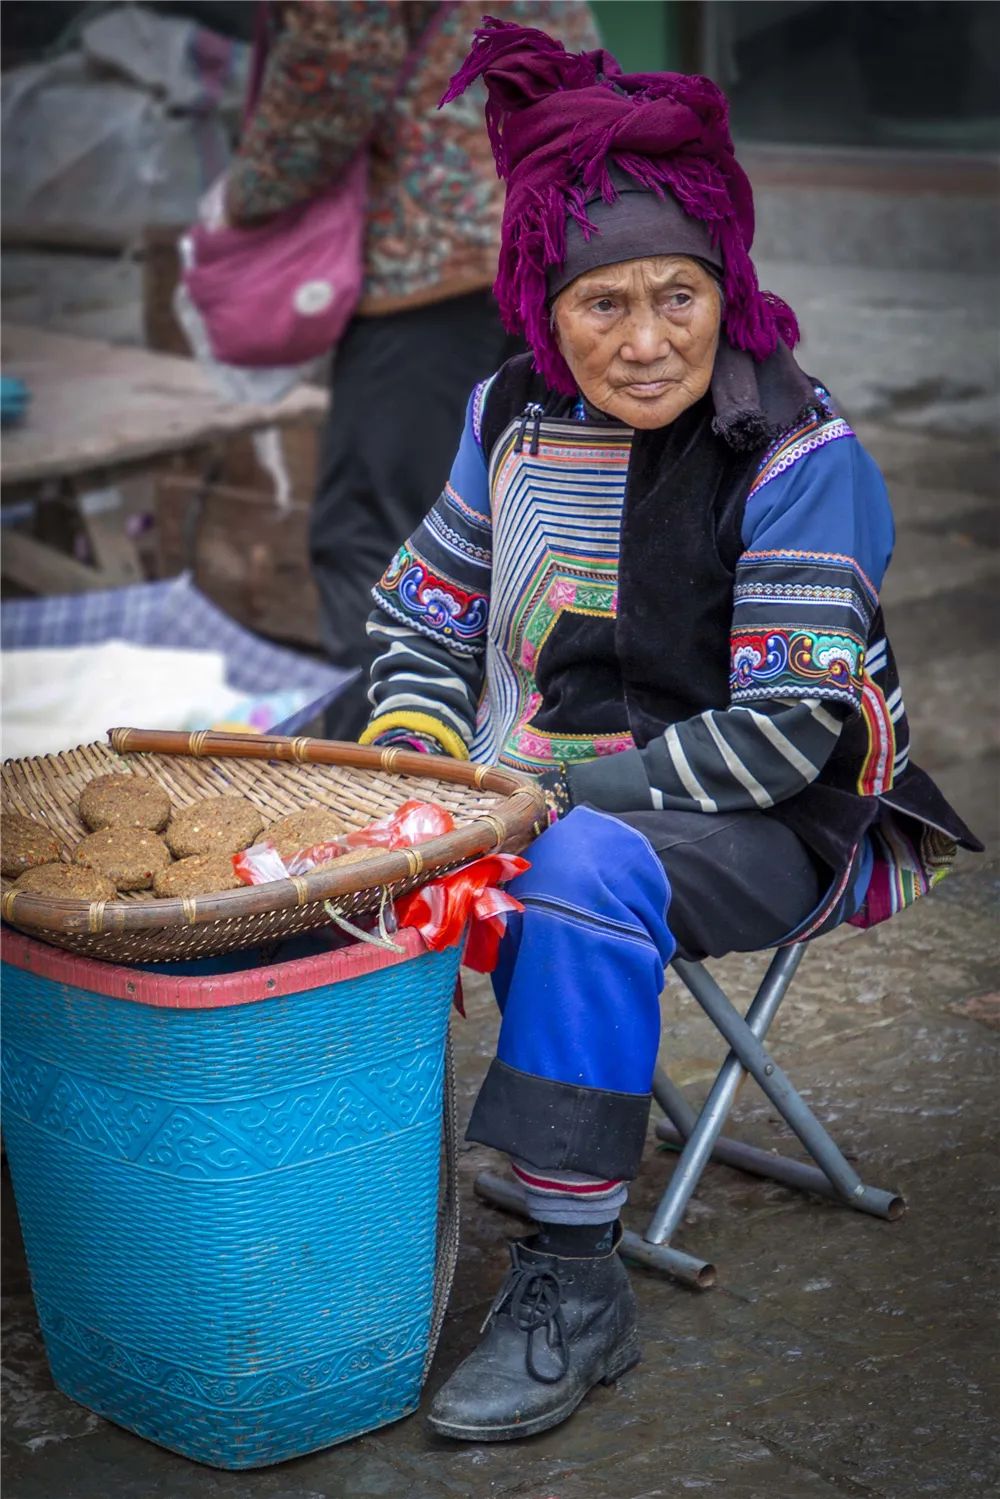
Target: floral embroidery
(410, 591)
(578, 595)
(796, 663)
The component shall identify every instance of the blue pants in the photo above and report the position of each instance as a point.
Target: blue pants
(581, 971)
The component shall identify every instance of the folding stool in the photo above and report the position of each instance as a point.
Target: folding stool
(701, 1134)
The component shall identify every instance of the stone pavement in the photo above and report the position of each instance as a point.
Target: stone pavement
(838, 1355)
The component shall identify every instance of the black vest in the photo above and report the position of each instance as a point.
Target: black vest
(681, 538)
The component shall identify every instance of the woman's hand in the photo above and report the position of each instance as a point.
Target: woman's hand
(555, 787)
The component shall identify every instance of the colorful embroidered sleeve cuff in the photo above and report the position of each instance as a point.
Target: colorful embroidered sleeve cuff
(800, 623)
(420, 723)
(408, 739)
(439, 581)
(413, 592)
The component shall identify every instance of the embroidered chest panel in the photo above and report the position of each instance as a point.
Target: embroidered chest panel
(557, 505)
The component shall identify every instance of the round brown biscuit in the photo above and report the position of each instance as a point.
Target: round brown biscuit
(353, 856)
(129, 857)
(69, 881)
(301, 830)
(213, 825)
(198, 874)
(25, 842)
(124, 801)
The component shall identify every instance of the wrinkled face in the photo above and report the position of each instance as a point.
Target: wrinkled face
(640, 337)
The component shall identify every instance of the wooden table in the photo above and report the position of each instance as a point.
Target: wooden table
(101, 411)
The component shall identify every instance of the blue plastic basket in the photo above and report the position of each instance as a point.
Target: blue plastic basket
(228, 1189)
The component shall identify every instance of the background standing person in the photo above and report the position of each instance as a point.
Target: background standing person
(427, 326)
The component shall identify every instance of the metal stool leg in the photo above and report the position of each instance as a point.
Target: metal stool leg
(745, 1041)
(833, 1177)
(694, 1272)
(708, 1126)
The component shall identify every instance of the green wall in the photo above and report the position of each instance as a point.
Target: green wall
(642, 34)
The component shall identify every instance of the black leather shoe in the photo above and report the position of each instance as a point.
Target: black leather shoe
(557, 1328)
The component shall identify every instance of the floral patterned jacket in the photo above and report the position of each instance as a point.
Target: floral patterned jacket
(331, 83)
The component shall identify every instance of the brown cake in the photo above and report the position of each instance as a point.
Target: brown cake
(25, 843)
(353, 856)
(356, 855)
(198, 874)
(301, 830)
(70, 881)
(129, 857)
(124, 801)
(214, 825)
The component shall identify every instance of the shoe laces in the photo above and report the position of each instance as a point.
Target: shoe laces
(532, 1298)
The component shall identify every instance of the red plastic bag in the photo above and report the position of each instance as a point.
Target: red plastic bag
(413, 822)
(443, 909)
(259, 865)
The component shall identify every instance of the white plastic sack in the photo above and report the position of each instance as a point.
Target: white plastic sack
(122, 133)
(158, 54)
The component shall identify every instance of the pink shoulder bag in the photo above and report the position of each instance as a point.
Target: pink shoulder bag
(282, 292)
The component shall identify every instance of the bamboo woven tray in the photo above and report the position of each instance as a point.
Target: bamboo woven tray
(493, 809)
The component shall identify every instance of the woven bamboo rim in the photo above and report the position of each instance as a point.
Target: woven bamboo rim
(493, 807)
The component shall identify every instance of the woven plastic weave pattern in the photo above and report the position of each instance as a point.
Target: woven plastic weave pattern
(229, 1214)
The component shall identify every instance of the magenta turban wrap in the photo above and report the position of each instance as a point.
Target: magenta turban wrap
(559, 123)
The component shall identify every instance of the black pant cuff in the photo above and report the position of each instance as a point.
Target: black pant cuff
(560, 1126)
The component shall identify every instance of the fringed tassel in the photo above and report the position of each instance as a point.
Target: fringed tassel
(705, 180)
(490, 43)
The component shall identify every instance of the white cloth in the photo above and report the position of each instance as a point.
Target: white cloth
(56, 699)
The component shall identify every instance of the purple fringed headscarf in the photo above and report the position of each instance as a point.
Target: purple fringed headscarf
(558, 123)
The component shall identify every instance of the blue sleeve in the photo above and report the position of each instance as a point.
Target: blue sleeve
(432, 604)
(818, 535)
(439, 580)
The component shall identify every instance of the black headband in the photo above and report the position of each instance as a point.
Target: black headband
(637, 224)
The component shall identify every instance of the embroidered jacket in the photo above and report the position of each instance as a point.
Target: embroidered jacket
(435, 200)
(681, 624)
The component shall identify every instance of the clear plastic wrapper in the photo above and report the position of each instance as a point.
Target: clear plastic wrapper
(413, 822)
(259, 865)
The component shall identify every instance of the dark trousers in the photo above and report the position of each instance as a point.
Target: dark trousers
(400, 388)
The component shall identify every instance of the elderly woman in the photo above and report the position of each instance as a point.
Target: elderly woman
(652, 580)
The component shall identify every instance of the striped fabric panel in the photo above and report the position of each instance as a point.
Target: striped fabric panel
(568, 1196)
(819, 576)
(736, 758)
(827, 589)
(886, 721)
(416, 675)
(905, 868)
(556, 528)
